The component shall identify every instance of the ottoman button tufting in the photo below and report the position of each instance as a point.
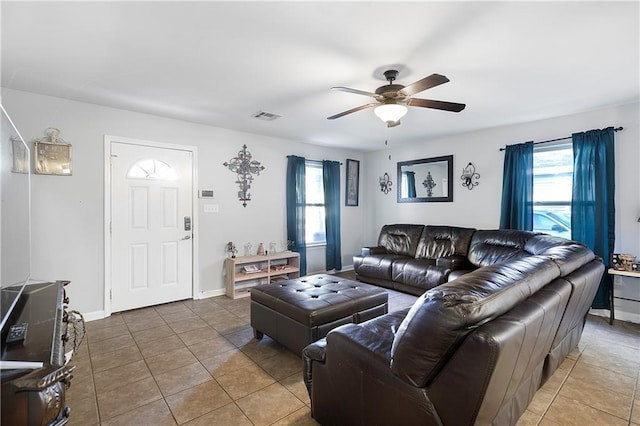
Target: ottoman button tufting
(292, 319)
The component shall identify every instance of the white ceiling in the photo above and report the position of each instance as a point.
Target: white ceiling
(218, 63)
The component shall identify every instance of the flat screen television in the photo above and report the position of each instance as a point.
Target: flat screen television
(15, 216)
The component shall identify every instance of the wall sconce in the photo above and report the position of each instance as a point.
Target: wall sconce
(244, 167)
(469, 176)
(385, 183)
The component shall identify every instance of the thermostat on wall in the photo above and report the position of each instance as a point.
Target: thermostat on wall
(206, 193)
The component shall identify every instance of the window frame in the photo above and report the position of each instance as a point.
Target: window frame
(318, 165)
(557, 204)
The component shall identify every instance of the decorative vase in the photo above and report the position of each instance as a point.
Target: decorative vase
(261, 249)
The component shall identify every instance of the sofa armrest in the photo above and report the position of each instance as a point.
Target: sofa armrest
(453, 262)
(359, 343)
(367, 251)
(315, 352)
(350, 340)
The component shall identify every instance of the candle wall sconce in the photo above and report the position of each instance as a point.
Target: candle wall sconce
(385, 183)
(245, 168)
(469, 176)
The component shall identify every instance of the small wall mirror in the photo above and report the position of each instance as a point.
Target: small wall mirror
(426, 180)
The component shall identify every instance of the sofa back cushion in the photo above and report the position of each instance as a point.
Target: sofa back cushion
(444, 315)
(568, 255)
(494, 246)
(441, 241)
(400, 239)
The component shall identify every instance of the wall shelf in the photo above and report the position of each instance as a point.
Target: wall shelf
(271, 268)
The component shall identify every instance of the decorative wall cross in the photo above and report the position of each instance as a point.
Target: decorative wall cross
(429, 184)
(245, 168)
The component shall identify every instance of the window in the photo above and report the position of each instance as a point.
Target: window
(552, 187)
(152, 169)
(314, 193)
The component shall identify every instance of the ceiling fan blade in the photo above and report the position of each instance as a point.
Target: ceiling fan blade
(355, 91)
(356, 109)
(426, 83)
(428, 103)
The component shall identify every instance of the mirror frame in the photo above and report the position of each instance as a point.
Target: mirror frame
(445, 158)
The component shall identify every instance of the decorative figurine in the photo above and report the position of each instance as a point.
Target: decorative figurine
(231, 248)
(247, 249)
(261, 249)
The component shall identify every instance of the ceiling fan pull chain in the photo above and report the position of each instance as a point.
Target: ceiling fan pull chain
(386, 141)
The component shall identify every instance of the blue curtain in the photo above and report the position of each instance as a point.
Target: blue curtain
(592, 206)
(296, 208)
(411, 184)
(331, 182)
(517, 188)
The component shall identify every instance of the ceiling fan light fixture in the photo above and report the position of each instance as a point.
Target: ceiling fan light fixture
(390, 113)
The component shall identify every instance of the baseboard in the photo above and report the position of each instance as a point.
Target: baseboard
(344, 269)
(93, 316)
(97, 315)
(211, 293)
(619, 315)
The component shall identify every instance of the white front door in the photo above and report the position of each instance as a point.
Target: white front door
(151, 225)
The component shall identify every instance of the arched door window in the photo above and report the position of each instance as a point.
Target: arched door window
(152, 169)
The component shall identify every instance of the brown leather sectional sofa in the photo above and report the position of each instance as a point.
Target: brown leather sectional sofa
(473, 349)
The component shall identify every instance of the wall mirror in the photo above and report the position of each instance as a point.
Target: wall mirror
(426, 180)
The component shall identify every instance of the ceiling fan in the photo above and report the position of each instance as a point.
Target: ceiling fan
(393, 99)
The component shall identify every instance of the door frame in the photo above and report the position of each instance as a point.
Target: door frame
(108, 141)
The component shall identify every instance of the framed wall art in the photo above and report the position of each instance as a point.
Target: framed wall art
(52, 158)
(353, 183)
(20, 156)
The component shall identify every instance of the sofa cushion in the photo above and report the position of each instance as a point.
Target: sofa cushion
(495, 246)
(377, 266)
(444, 315)
(568, 255)
(441, 241)
(419, 273)
(400, 239)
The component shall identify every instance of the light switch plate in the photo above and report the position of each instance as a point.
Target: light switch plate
(211, 208)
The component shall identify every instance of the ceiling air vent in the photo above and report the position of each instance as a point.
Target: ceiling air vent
(266, 116)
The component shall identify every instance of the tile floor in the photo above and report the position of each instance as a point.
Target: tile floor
(196, 363)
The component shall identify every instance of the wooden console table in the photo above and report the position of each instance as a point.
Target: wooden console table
(614, 272)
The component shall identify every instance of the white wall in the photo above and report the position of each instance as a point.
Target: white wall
(480, 207)
(68, 212)
(68, 215)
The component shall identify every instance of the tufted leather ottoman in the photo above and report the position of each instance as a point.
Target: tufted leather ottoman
(300, 311)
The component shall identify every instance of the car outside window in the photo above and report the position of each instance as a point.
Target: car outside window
(552, 187)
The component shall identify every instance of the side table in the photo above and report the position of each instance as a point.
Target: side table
(614, 272)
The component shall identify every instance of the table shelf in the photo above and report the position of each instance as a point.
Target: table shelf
(622, 273)
(271, 266)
